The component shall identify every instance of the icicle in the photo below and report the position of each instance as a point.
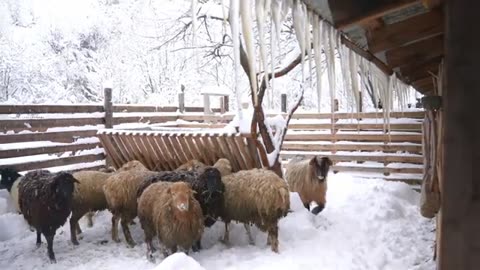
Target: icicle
(298, 24)
(277, 15)
(330, 53)
(246, 15)
(308, 43)
(317, 30)
(234, 24)
(272, 61)
(354, 79)
(260, 15)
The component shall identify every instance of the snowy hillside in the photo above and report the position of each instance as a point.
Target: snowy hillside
(367, 224)
(64, 50)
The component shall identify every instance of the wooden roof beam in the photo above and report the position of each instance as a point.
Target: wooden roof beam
(430, 4)
(347, 13)
(403, 32)
(418, 70)
(419, 51)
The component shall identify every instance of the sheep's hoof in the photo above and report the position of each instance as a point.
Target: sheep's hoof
(116, 240)
(38, 244)
(75, 242)
(52, 258)
(131, 244)
(150, 257)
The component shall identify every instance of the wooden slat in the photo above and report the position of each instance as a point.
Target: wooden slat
(46, 150)
(224, 146)
(141, 140)
(170, 150)
(143, 119)
(218, 149)
(201, 149)
(419, 51)
(364, 169)
(111, 150)
(252, 149)
(26, 124)
(418, 70)
(387, 158)
(58, 136)
(397, 34)
(122, 149)
(164, 159)
(236, 150)
(135, 149)
(186, 149)
(353, 137)
(178, 149)
(351, 147)
(355, 126)
(143, 108)
(32, 165)
(347, 13)
(249, 162)
(193, 148)
(209, 151)
(38, 108)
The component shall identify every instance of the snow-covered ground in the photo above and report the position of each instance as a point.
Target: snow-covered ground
(367, 224)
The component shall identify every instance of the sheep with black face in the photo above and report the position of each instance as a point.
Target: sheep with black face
(308, 177)
(45, 200)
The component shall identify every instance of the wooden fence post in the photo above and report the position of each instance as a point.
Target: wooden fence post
(181, 102)
(335, 105)
(224, 104)
(108, 107)
(284, 103)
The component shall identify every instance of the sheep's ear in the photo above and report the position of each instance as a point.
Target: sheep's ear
(313, 161)
(325, 161)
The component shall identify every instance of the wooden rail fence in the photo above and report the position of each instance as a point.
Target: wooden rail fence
(30, 136)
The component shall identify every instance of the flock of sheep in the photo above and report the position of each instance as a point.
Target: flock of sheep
(174, 206)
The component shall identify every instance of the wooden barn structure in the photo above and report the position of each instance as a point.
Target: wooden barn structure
(411, 38)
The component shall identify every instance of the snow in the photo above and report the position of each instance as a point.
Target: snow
(215, 90)
(179, 261)
(367, 224)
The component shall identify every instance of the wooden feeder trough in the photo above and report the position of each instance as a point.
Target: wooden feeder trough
(168, 149)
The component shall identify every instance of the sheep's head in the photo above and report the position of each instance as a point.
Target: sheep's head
(63, 184)
(213, 179)
(9, 175)
(224, 166)
(320, 167)
(181, 194)
(131, 165)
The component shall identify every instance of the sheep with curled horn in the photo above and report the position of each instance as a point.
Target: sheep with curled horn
(308, 177)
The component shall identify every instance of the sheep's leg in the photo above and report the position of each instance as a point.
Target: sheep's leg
(115, 220)
(148, 240)
(74, 227)
(126, 231)
(51, 255)
(90, 219)
(226, 236)
(197, 246)
(273, 238)
(307, 205)
(249, 234)
(39, 238)
(77, 228)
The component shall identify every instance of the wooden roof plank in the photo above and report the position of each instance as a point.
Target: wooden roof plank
(401, 33)
(419, 51)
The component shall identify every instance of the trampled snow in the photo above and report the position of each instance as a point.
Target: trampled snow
(367, 224)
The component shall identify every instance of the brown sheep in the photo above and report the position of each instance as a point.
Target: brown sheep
(259, 197)
(223, 165)
(120, 191)
(170, 211)
(191, 165)
(309, 178)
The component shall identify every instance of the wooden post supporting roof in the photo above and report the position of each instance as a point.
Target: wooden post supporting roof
(459, 241)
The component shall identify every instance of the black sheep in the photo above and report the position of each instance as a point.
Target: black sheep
(206, 182)
(45, 200)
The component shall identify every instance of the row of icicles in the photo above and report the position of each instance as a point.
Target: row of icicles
(314, 36)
